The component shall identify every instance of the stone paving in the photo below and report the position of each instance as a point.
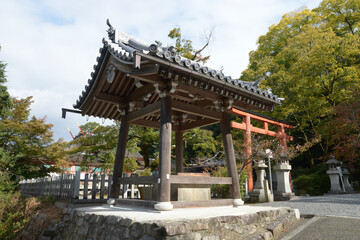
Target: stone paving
(329, 228)
(336, 217)
(346, 205)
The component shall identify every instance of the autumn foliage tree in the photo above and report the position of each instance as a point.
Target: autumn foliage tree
(344, 130)
(27, 145)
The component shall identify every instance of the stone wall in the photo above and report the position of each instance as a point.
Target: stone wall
(79, 225)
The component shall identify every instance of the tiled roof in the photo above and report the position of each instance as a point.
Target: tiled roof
(124, 46)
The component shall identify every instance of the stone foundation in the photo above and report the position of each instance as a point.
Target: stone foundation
(77, 224)
(283, 196)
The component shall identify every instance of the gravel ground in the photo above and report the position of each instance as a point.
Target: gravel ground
(346, 205)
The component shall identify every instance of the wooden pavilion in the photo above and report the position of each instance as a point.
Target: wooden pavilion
(153, 86)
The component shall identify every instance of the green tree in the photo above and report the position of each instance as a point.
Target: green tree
(342, 16)
(185, 47)
(311, 58)
(5, 99)
(148, 142)
(97, 144)
(199, 144)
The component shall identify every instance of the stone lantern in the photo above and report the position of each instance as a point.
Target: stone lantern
(334, 175)
(261, 192)
(282, 170)
(347, 186)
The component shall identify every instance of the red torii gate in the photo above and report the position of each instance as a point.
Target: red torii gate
(248, 128)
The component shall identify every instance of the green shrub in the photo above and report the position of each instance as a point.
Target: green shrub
(313, 181)
(222, 190)
(15, 211)
(145, 172)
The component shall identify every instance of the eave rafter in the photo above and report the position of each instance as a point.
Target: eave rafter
(195, 110)
(195, 124)
(105, 97)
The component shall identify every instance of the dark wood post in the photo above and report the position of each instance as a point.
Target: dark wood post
(119, 157)
(230, 159)
(179, 148)
(163, 202)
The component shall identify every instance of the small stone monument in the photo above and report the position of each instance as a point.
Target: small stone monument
(259, 194)
(347, 186)
(334, 175)
(282, 170)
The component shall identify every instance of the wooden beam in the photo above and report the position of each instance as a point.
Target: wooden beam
(148, 79)
(207, 94)
(146, 123)
(105, 97)
(141, 92)
(193, 109)
(255, 117)
(139, 180)
(150, 109)
(195, 124)
(64, 110)
(199, 180)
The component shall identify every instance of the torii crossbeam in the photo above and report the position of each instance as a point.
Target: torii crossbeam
(248, 128)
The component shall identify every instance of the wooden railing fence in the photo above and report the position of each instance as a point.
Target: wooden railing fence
(74, 187)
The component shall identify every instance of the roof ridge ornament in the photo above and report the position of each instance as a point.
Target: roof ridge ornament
(155, 47)
(112, 32)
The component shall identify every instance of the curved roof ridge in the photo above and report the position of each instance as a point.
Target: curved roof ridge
(123, 47)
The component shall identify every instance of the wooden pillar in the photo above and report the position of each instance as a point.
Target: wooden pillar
(247, 141)
(163, 202)
(119, 157)
(179, 148)
(230, 159)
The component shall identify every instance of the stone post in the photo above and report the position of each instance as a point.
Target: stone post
(282, 170)
(258, 193)
(348, 188)
(334, 175)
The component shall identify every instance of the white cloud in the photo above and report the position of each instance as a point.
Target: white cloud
(51, 46)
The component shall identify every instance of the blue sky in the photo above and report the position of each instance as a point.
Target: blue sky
(51, 46)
